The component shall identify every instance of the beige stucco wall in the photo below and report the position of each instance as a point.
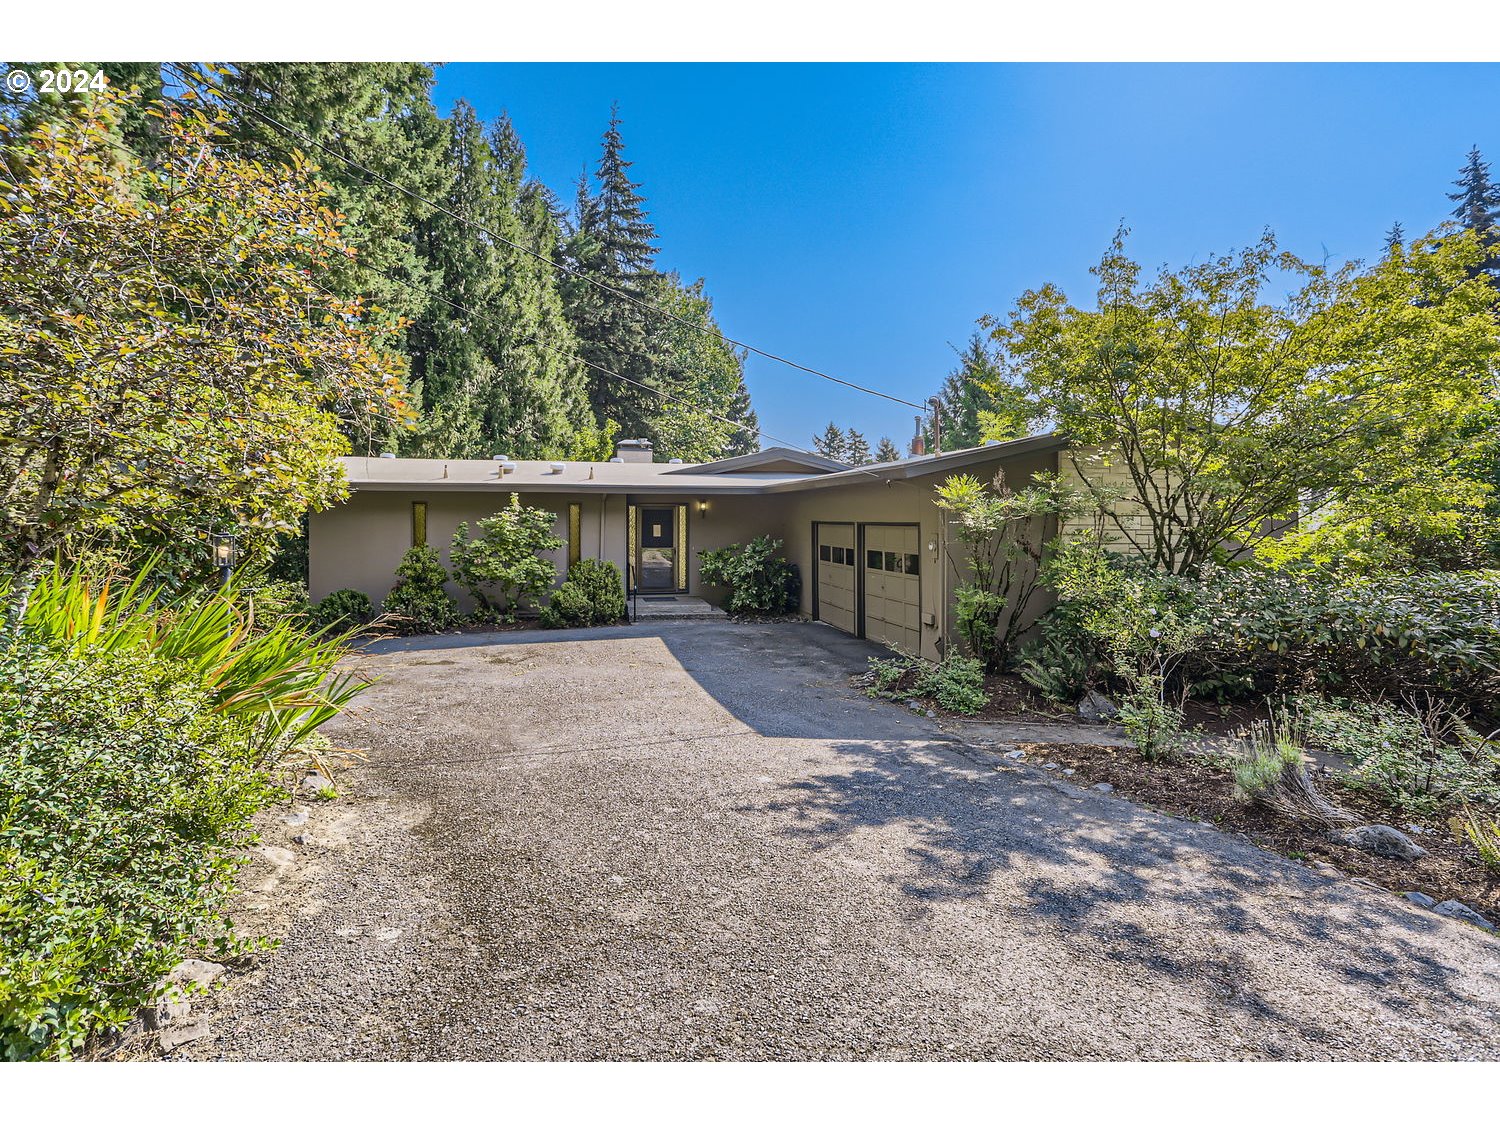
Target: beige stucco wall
(360, 543)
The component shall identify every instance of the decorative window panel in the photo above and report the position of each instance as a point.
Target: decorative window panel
(575, 529)
(418, 523)
(679, 557)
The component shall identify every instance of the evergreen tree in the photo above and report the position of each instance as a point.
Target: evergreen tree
(506, 378)
(963, 398)
(1478, 206)
(887, 450)
(708, 415)
(833, 444)
(1395, 238)
(378, 115)
(856, 448)
(613, 242)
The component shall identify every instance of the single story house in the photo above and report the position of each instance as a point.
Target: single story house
(870, 544)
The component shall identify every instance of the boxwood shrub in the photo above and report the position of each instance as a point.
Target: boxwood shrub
(593, 594)
(125, 799)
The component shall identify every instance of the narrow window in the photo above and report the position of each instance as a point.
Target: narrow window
(575, 526)
(419, 523)
(680, 556)
(872, 560)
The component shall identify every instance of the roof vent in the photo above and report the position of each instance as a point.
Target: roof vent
(993, 441)
(617, 460)
(387, 456)
(506, 467)
(556, 466)
(501, 457)
(674, 460)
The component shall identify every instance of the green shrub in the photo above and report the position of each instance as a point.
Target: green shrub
(1420, 761)
(126, 797)
(1062, 660)
(1307, 628)
(593, 594)
(758, 581)
(278, 601)
(138, 735)
(956, 684)
(979, 613)
(418, 603)
(502, 568)
(1153, 723)
(343, 610)
(1484, 835)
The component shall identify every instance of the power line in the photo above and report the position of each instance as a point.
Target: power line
(189, 79)
(741, 426)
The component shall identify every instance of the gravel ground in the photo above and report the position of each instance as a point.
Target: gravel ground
(694, 840)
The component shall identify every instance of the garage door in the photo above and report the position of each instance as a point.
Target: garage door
(836, 575)
(893, 591)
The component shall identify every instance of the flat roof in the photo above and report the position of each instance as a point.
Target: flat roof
(409, 474)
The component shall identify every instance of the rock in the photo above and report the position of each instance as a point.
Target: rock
(1105, 787)
(1097, 708)
(1382, 840)
(1049, 765)
(1069, 773)
(1420, 899)
(1015, 755)
(295, 819)
(930, 714)
(194, 971)
(278, 856)
(315, 783)
(913, 705)
(300, 838)
(1455, 909)
(173, 1037)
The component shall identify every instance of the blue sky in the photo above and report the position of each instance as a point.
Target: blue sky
(860, 217)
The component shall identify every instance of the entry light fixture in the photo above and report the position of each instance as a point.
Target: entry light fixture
(221, 547)
(702, 508)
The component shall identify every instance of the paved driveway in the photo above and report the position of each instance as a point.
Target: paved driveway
(694, 840)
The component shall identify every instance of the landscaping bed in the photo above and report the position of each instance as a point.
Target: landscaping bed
(1201, 787)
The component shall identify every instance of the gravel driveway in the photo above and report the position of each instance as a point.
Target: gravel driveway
(694, 840)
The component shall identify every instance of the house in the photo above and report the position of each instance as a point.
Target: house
(870, 544)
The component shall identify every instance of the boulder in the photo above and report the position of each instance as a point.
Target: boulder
(1015, 755)
(1425, 901)
(315, 782)
(1097, 708)
(1382, 840)
(1105, 787)
(1455, 909)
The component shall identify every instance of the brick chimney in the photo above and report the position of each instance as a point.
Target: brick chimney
(634, 450)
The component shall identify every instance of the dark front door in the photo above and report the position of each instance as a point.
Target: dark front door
(658, 551)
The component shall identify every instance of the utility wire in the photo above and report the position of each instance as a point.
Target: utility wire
(741, 426)
(189, 80)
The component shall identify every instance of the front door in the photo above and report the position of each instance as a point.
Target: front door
(656, 557)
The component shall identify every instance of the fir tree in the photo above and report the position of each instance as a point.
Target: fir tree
(1478, 206)
(887, 450)
(856, 448)
(833, 444)
(497, 373)
(613, 243)
(1395, 238)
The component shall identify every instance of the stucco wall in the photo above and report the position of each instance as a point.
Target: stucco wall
(360, 543)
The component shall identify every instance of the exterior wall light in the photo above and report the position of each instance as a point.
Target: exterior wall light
(221, 546)
(702, 508)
